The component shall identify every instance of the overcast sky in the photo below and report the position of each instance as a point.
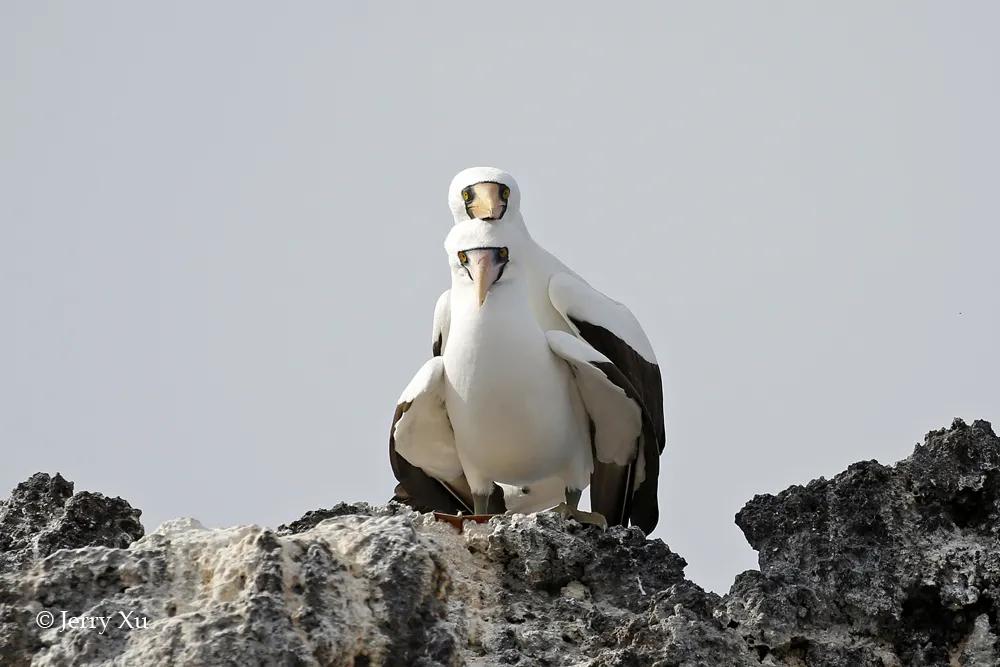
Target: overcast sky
(221, 229)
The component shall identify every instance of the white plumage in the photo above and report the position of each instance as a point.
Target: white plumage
(519, 401)
(527, 378)
(556, 291)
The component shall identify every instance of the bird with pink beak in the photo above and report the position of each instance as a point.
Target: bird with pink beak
(483, 266)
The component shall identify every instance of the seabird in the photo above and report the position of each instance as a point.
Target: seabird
(485, 204)
(508, 402)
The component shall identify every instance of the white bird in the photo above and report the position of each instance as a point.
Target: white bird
(508, 402)
(485, 203)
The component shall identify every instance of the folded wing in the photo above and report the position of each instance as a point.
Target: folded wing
(422, 449)
(618, 423)
(422, 446)
(611, 329)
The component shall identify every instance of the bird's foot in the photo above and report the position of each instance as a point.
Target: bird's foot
(457, 520)
(586, 518)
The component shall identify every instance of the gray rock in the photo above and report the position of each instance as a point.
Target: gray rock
(878, 566)
(43, 515)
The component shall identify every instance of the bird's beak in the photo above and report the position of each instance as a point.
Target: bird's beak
(487, 210)
(485, 266)
(483, 274)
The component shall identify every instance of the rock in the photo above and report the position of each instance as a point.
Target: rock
(43, 515)
(878, 566)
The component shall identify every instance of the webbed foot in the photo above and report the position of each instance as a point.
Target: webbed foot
(457, 520)
(586, 518)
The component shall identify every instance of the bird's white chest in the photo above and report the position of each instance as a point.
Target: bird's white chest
(514, 407)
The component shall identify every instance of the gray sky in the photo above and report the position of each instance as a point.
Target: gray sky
(221, 228)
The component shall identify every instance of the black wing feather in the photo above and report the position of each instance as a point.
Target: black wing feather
(642, 382)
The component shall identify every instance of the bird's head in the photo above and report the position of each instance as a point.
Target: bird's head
(483, 193)
(482, 268)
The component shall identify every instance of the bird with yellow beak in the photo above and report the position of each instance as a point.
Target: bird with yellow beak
(486, 200)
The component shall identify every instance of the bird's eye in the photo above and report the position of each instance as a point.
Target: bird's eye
(462, 257)
(505, 194)
(466, 195)
(503, 253)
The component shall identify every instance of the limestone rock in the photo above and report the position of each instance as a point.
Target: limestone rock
(878, 566)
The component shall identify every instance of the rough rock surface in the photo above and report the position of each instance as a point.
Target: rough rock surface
(43, 515)
(878, 566)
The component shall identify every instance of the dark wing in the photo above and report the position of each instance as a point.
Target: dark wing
(613, 331)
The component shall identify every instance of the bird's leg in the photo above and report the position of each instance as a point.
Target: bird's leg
(481, 503)
(569, 509)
